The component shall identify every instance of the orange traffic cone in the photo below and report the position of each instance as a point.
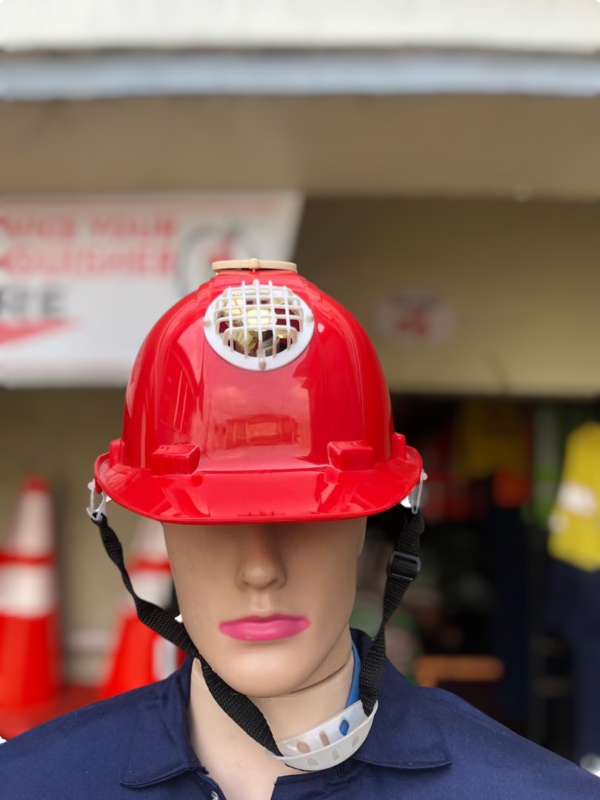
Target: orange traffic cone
(29, 630)
(142, 656)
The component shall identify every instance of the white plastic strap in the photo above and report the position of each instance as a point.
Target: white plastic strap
(413, 500)
(326, 745)
(95, 512)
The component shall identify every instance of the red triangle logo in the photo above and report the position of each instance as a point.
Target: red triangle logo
(10, 333)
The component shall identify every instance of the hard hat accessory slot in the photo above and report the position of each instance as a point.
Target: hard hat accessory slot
(403, 567)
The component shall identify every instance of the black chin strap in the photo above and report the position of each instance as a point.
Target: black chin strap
(403, 568)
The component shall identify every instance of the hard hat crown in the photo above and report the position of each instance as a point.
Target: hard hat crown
(257, 397)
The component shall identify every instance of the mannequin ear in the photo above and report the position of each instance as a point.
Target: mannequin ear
(362, 532)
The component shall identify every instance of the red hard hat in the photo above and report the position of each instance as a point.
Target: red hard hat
(257, 398)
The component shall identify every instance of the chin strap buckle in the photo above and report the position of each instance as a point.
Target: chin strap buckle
(96, 513)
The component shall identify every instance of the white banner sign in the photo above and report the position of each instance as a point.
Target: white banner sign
(83, 280)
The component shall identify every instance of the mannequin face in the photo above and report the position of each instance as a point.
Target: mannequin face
(268, 605)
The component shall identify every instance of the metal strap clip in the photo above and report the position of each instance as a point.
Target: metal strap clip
(413, 500)
(95, 513)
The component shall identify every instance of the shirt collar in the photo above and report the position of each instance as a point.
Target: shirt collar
(161, 747)
(405, 734)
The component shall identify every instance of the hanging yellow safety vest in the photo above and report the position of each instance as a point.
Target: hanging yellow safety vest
(575, 519)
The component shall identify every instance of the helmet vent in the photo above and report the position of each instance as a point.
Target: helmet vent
(259, 326)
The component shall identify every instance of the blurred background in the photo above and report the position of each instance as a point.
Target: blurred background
(431, 165)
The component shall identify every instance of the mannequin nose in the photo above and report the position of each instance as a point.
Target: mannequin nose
(261, 565)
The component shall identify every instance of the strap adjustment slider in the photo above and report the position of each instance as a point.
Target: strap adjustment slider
(397, 566)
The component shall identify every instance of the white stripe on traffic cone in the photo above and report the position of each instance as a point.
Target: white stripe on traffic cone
(29, 631)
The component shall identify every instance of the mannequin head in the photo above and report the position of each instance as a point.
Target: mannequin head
(303, 571)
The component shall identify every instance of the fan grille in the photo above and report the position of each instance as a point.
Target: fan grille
(259, 320)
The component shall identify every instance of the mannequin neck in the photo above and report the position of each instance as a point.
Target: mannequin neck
(239, 765)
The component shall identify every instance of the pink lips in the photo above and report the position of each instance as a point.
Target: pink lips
(264, 629)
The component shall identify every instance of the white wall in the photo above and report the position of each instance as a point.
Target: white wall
(523, 278)
(555, 25)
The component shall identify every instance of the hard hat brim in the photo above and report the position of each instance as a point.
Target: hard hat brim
(228, 497)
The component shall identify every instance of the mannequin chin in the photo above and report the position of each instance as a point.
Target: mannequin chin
(268, 605)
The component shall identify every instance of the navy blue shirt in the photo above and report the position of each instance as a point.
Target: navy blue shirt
(424, 743)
